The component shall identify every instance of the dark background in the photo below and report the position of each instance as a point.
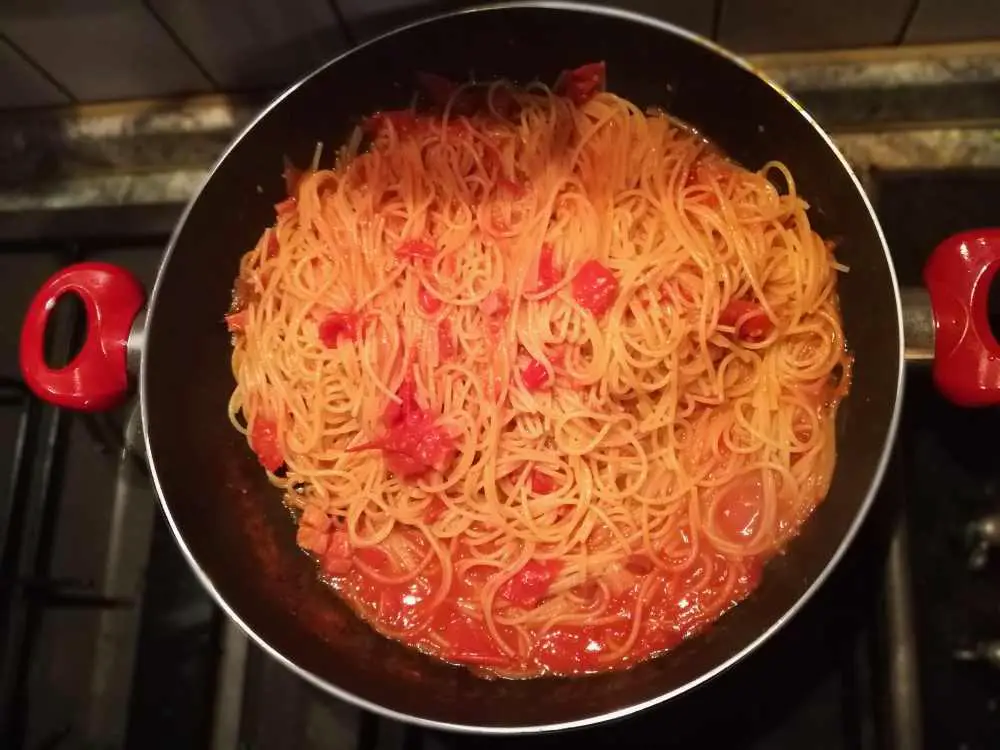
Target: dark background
(65, 51)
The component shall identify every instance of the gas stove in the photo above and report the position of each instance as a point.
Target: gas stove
(108, 641)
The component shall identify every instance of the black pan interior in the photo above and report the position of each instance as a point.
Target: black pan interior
(232, 521)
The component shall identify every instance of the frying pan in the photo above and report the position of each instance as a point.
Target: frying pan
(230, 522)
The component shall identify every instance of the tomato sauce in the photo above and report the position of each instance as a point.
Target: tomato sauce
(625, 610)
(676, 607)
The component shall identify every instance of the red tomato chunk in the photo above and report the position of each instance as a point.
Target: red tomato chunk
(337, 326)
(581, 84)
(236, 322)
(531, 583)
(412, 444)
(754, 325)
(264, 442)
(535, 375)
(542, 484)
(595, 287)
(428, 302)
(337, 559)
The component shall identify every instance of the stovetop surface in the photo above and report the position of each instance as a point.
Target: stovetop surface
(952, 468)
(108, 641)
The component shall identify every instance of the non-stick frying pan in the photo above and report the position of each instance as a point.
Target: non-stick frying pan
(231, 523)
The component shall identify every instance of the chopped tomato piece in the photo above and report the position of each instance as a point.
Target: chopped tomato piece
(581, 84)
(469, 642)
(446, 342)
(416, 250)
(336, 326)
(535, 375)
(312, 540)
(542, 484)
(264, 442)
(749, 318)
(412, 450)
(403, 121)
(497, 303)
(337, 559)
(286, 207)
(397, 413)
(412, 444)
(428, 302)
(315, 518)
(236, 322)
(531, 583)
(595, 287)
(435, 510)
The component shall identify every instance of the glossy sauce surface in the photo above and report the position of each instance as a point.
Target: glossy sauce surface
(672, 606)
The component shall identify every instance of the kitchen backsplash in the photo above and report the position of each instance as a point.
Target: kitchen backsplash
(62, 51)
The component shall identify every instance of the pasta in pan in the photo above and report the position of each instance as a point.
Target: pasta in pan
(546, 375)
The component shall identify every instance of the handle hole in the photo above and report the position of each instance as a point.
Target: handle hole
(993, 306)
(64, 335)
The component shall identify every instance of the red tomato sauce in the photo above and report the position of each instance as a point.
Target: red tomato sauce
(676, 606)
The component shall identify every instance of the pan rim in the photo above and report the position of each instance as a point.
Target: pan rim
(624, 711)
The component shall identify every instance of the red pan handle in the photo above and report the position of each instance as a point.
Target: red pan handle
(97, 377)
(966, 354)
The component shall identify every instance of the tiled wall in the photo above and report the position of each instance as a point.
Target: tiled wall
(59, 51)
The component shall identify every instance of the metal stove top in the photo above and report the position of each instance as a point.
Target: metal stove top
(107, 640)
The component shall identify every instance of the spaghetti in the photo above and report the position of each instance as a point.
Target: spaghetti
(546, 377)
